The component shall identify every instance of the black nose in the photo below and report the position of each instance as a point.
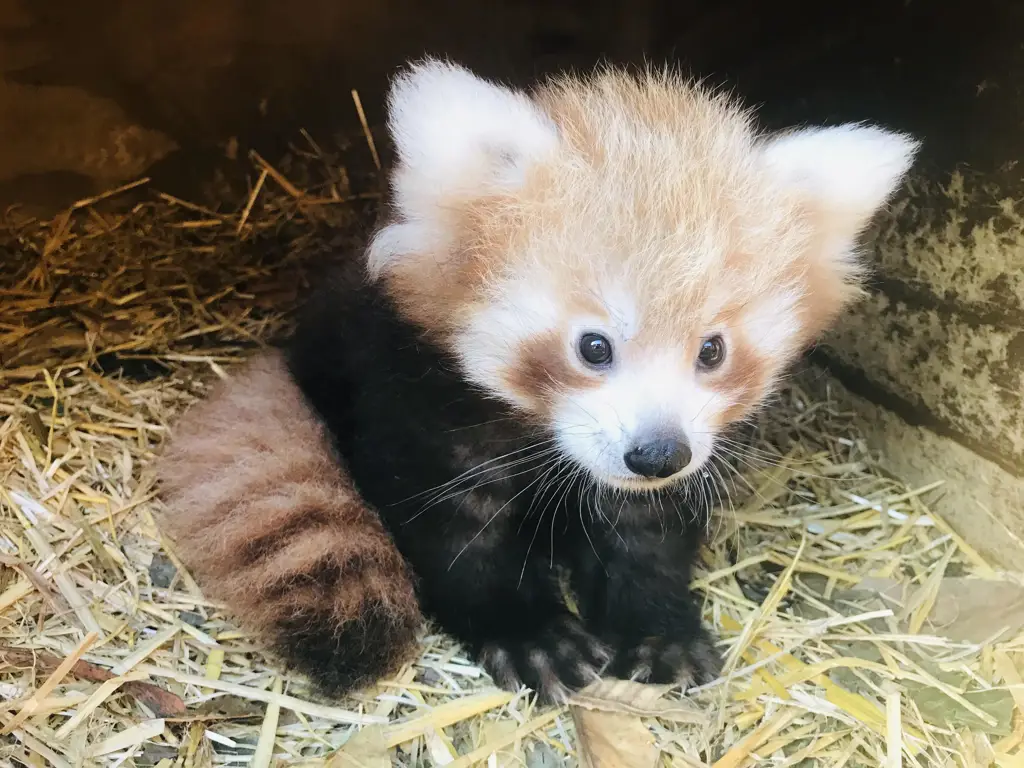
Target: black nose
(662, 457)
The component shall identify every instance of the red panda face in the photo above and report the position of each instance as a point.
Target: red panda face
(623, 259)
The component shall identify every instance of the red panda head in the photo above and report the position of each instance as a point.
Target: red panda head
(625, 259)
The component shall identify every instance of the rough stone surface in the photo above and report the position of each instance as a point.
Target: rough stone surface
(944, 331)
(105, 144)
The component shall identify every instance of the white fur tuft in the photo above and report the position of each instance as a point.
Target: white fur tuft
(847, 172)
(457, 137)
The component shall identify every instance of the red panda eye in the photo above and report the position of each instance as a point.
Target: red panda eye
(595, 350)
(712, 352)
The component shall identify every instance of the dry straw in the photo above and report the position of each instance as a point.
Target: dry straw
(858, 628)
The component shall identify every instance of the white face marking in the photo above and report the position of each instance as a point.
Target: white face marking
(770, 324)
(488, 344)
(653, 390)
(660, 390)
(648, 393)
(621, 309)
(646, 396)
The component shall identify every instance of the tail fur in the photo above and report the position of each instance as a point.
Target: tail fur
(266, 520)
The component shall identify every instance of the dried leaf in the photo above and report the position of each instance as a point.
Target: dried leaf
(496, 731)
(613, 740)
(446, 714)
(965, 610)
(57, 604)
(366, 749)
(627, 697)
(162, 703)
(939, 709)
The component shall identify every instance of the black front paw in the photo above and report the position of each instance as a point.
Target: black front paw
(556, 660)
(665, 661)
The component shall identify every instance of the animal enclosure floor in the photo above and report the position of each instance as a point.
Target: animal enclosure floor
(858, 628)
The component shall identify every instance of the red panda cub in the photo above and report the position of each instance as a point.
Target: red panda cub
(576, 293)
(578, 290)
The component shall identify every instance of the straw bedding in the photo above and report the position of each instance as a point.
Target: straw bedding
(858, 628)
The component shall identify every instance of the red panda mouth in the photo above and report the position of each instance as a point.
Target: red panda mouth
(641, 484)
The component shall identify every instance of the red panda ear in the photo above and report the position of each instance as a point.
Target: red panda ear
(458, 137)
(844, 175)
(840, 177)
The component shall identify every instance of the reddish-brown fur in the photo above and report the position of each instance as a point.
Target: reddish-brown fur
(265, 519)
(543, 368)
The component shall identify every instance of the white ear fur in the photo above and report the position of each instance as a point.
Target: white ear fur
(457, 136)
(845, 173)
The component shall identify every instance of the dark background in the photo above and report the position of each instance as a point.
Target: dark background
(198, 72)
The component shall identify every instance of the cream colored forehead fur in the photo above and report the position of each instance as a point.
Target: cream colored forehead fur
(655, 189)
(650, 185)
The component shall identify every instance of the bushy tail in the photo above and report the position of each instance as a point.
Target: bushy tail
(264, 517)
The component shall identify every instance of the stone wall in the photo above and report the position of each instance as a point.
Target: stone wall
(941, 339)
